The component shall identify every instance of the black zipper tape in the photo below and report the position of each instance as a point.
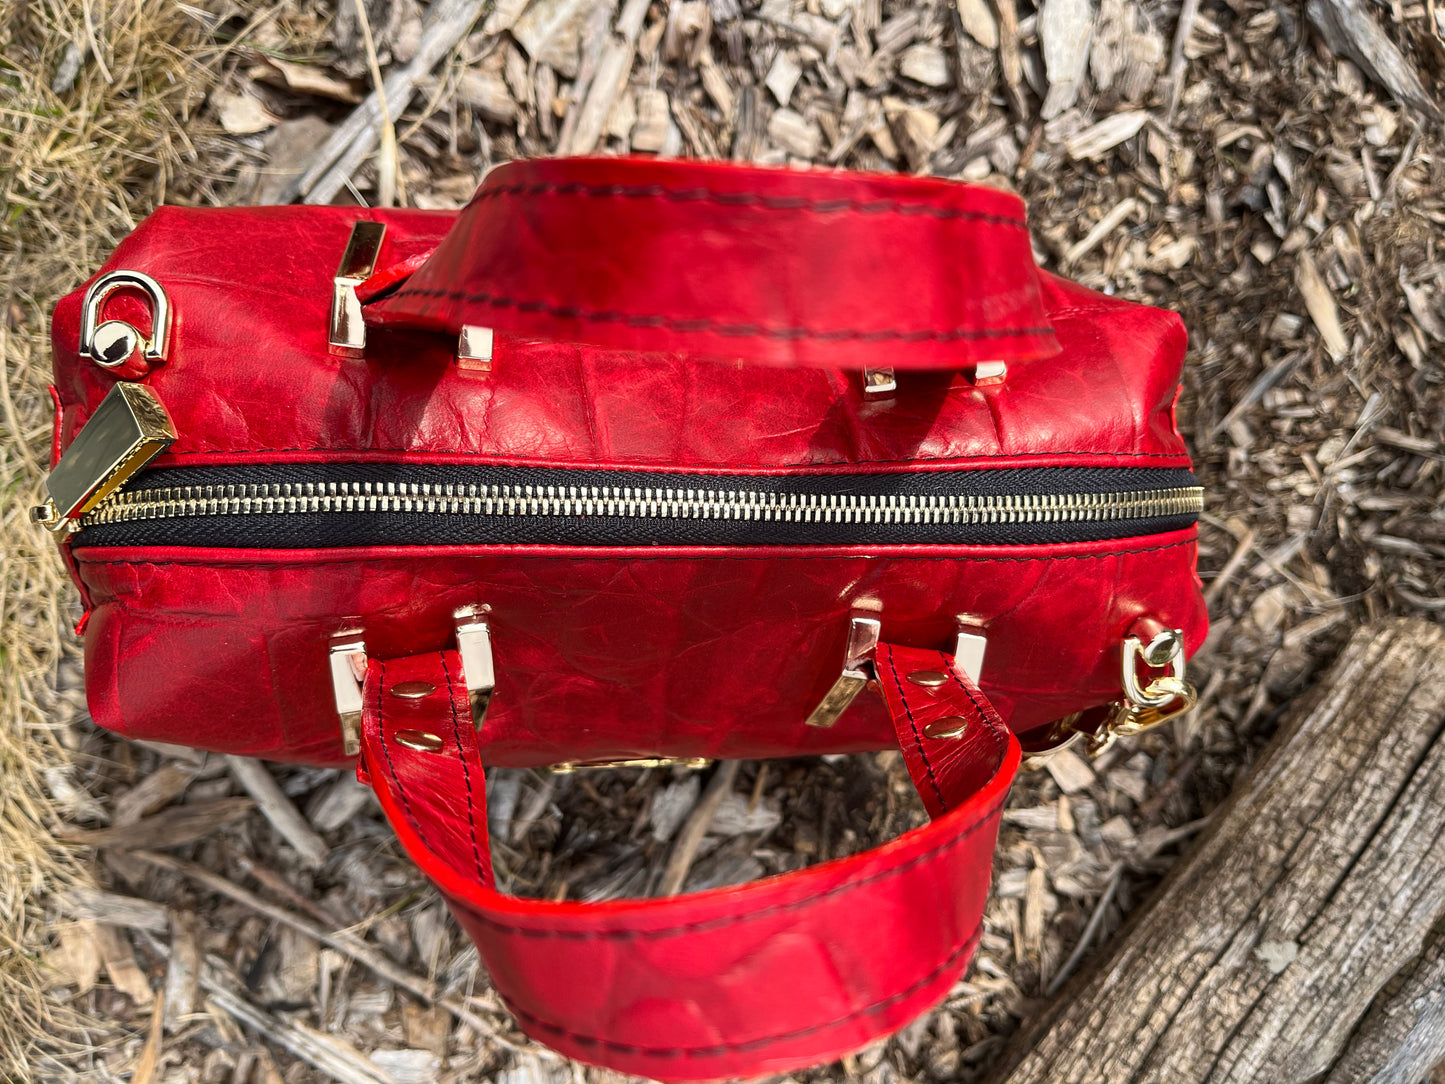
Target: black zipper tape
(307, 530)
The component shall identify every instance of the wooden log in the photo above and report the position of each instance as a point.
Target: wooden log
(1300, 936)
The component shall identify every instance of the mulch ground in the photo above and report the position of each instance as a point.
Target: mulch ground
(1233, 161)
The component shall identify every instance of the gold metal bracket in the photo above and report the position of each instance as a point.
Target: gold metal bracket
(347, 335)
(969, 647)
(474, 644)
(348, 672)
(857, 671)
(988, 373)
(879, 383)
(567, 767)
(474, 348)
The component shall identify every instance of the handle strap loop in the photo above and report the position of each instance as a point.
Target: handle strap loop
(788, 267)
(739, 981)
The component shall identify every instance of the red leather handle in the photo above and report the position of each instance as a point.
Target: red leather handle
(805, 267)
(760, 978)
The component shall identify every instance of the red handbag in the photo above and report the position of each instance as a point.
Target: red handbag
(636, 461)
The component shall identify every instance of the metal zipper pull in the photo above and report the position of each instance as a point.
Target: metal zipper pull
(129, 429)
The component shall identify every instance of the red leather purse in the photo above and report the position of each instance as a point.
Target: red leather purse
(636, 461)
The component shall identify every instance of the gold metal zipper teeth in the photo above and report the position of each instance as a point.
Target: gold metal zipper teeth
(638, 502)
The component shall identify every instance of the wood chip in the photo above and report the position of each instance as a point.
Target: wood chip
(339, 801)
(241, 114)
(119, 961)
(156, 790)
(551, 33)
(783, 76)
(304, 79)
(75, 960)
(926, 64)
(1102, 229)
(169, 828)
(795, 134)
(183, 973)
(486, 91)
(277, 808)
(978, 22)
(150, 1054)
(654, 120)
(1320, 304)
(127, 912)
(1069, 770)
(1065, 29)
(1099, 139)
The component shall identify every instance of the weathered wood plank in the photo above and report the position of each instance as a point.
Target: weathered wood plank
(1317, 885)
(1402, 1037)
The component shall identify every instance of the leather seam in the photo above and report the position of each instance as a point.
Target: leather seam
(962, 460)
(466, 770)
(917, 737)
(572, 557)
(997, 730)
(756, 200)
(385, 744)
(725, 921)
(962, 951)
(706, 325)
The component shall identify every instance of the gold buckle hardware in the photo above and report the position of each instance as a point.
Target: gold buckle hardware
(1143, 707)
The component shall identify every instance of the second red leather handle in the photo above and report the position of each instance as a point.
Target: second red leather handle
(763, 977)
(787, 267)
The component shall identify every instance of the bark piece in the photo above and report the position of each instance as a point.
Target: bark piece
(1350, 30)
(1316, 887)
(278, 809)
(168, 828)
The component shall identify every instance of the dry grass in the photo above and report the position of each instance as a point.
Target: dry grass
(79, 165)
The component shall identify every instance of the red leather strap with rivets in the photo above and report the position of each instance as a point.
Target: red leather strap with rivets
(759, 978)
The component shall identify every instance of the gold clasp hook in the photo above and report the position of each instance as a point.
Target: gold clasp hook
(1145, 705)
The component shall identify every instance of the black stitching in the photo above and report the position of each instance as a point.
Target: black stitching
(718, 327)
(466, 770)
(953, 958)
(721, 922)
(917, 737)
(724, 921)
(998, 729)
(962, 460)
(745, 199)
(386, 751)
(264, 565)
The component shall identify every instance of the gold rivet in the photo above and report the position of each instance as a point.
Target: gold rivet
(413, 690)
(951, 727)
(423, 741)
(929, 679)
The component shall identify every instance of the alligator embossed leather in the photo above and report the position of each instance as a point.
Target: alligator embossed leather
(636, 461)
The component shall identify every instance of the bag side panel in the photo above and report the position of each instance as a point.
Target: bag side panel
(608, 655)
